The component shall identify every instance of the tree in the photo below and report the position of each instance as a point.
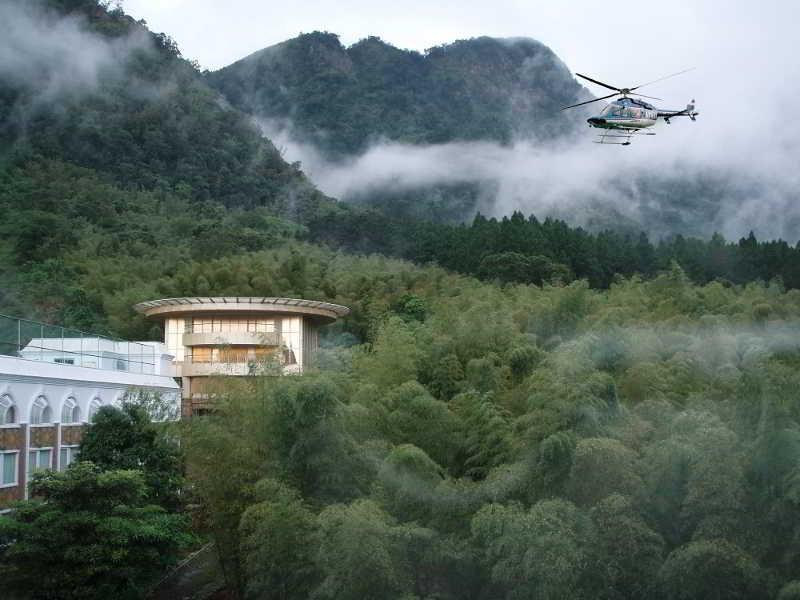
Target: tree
(446, 377)
(601, 467)
(418, 418)
(791, 591)
(394, 355)
(540, 553)
(361, 554)
(556, 452)
(486, 433)
(521, 268)
(711, 570)
(628, 553)
(126, 438)
(411, 307)
(277, 544)
(522, 360)
(90, 534)
(408, 480)
(307, 439)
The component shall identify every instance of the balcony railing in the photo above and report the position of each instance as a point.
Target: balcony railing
(33, 340)
(231, 326)
(232, 338)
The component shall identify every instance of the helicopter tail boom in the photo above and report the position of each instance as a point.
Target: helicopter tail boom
(689, 111)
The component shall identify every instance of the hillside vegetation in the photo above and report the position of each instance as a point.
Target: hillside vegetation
(100, 91)
(524, 442)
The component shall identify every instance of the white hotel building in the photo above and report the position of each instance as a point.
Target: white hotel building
(53, 379)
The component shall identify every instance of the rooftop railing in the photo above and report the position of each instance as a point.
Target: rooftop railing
(33, 340)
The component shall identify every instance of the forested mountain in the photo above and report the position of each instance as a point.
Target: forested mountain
(477, 126)
(99, 90)
(341, 99)
(340, 102)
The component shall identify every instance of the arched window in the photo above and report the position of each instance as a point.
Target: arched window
(70, 412)
(40, 411)
(8, 412)
(94, 406)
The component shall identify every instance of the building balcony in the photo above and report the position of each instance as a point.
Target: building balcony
(210, 369)
(40, 342)
(232, 338)
(237, 369)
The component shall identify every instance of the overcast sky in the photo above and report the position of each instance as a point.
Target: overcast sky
(618, 40)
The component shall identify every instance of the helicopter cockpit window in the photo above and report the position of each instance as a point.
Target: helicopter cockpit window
(612, 110)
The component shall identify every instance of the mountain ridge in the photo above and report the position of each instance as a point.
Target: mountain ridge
(342, 98)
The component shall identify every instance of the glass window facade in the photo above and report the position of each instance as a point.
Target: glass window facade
(235, 355)
(8, 468)
(280, 338)
(202, 354)
(39, 458)
(291, 338)
(40, 411)
(70, 412)
(94, 406)
(8, 412)
(231, 354)
(67, 457)
(217, 324)
(173, 337)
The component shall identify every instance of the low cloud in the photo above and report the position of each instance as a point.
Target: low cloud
(53, 55)
(678, 181)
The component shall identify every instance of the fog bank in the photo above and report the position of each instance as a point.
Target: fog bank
(678, 181)
(53, 55)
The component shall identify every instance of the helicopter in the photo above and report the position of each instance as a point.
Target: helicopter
(626, 117)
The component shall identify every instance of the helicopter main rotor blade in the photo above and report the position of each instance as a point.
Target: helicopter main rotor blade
(589, 101)
(662, 78)
(605, 85)
(643, 96)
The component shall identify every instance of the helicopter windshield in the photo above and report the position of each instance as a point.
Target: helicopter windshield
(613, 110)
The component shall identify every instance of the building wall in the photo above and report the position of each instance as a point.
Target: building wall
(12, 440)
(26, 382)
(310, 342)
(234, 345)
(22, 439)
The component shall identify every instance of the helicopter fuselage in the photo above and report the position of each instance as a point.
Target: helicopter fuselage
(625, 113)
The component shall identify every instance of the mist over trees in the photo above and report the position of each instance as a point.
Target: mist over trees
(476, 126)
(553, 442)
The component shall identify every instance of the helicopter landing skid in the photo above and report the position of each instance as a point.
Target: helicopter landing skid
(620, 137)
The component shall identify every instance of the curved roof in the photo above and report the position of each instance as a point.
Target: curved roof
(238, 304)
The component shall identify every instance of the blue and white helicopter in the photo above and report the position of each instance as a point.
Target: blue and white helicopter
(626, 117)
